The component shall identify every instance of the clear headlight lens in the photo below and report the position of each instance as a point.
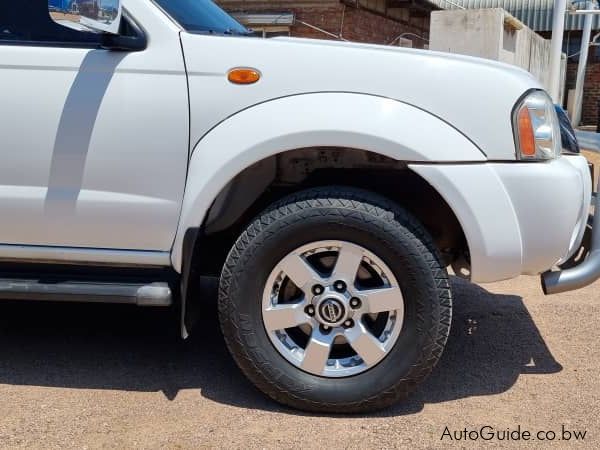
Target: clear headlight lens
(537, 131)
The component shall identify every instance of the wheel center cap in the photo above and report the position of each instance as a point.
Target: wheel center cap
(332, 310)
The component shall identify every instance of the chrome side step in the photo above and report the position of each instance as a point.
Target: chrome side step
(132, 293)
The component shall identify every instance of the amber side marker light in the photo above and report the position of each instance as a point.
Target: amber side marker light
(526, 136)
(243, 75)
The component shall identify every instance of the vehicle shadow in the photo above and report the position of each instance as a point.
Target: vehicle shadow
(75, 130)
(493, 341)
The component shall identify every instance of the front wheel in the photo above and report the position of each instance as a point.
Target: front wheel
(334, 300)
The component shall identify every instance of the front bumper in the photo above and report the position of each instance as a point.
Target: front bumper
(518, 218)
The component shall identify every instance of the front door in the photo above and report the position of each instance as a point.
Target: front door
(93, 143)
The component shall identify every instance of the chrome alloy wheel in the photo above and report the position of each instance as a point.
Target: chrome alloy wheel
(332, 308)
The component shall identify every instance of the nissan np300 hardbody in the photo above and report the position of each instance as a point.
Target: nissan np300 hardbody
(327, 184)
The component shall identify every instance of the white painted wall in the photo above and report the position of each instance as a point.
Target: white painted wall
(493, 34)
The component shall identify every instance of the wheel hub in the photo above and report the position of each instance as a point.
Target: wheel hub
(332, 311)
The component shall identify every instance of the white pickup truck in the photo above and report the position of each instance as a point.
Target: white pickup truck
(328, 185)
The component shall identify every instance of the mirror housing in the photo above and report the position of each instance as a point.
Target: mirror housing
(85, 15)
(122, 43)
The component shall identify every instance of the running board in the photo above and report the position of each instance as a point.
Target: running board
(141, 294)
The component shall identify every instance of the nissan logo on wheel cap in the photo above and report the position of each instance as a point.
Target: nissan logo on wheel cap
(331, 310)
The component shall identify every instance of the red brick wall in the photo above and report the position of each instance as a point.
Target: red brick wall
(591, 91)
(359, 25)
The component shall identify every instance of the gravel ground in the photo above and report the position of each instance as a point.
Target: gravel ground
(91, 376)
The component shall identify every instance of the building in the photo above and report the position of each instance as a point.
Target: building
(397, 22)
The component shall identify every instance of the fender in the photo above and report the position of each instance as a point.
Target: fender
(377, 124)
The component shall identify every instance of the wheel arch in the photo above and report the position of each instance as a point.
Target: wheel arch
(280, 175)
(387, 133)
(373, 124)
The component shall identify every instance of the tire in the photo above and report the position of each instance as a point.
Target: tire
(341, 217)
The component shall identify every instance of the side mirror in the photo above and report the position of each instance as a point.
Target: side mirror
(85, 15)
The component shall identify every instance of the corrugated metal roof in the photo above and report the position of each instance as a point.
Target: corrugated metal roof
(536, 14)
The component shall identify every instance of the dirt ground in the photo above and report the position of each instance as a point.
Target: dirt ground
(93, 376)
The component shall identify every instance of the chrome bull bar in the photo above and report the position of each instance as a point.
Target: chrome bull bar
(588, 270)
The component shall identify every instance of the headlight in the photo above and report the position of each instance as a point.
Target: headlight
(537, 131)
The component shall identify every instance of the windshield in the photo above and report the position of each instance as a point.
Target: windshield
(201, 16)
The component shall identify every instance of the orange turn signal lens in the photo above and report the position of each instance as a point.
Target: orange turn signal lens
(243, 75)
(526, 135)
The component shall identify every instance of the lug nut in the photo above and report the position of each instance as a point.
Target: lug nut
(349, 323)
(355, 303)
(325, 329)
(310, 310)
(317, 289)
(339, 286)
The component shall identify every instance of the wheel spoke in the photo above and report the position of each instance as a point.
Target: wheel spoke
(298, 270)
(347, 264)
(284, 316)
(382, 300)
(317, 352)
(365, 344)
